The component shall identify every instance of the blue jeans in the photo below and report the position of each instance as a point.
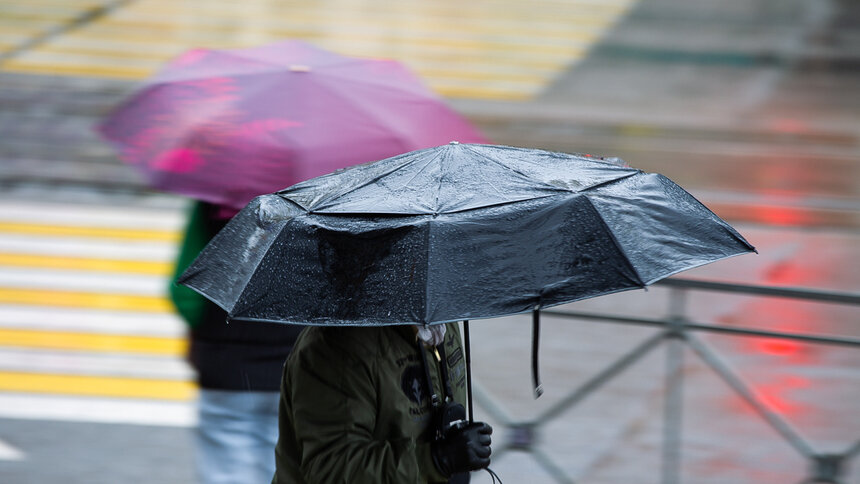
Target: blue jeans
(236, 436)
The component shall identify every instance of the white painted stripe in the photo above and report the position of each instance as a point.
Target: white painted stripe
(101, 410)
(55, 11)
(8, 452)
(138, 39)
(413, 29)
(61, 362)
(90, 321)
(80, 281)
(128, 217)
(497, 62)
(144, 250)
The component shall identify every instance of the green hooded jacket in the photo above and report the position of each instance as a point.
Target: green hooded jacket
(354, 406)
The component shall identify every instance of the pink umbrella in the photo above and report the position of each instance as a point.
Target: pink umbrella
(224, 126)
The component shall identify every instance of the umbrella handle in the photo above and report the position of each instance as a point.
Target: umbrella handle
(468, 370)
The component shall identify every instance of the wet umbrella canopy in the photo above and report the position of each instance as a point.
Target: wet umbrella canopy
(455, 232)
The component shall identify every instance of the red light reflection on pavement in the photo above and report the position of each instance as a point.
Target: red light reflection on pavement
(770, 363)
(783, 216)
(777, 394)
(771, 360)
(778, 347)
(787, 318)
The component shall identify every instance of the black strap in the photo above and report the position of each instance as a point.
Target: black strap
(535, 350)
(446, 381)
(434, 399)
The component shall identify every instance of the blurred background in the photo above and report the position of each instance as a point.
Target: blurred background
(751, 105)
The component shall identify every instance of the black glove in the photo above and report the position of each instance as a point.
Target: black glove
(463, 449)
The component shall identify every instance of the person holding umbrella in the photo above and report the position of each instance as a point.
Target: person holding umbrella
(238, 369)
(377, 405)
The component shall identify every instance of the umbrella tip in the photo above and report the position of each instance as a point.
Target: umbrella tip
(300, 68)
(454, 143)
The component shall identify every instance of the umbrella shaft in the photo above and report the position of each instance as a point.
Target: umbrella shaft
(468, 370)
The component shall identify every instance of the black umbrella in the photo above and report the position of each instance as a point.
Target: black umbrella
(452, 233)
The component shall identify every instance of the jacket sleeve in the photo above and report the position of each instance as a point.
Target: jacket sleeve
(334, 406)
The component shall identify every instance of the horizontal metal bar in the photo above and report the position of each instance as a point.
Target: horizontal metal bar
(749, 289)
(605, 317)
(808, 338)
(833, 340)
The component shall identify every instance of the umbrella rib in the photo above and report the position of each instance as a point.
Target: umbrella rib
(281, 232)
(521, 174)
(551, 186)
(416, 81)
(610, 182)
(402, 135)
(615, 242)
(427, 272)
(319, 206)
(734, 233)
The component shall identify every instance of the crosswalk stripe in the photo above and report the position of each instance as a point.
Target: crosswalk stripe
(41, 278)
(130, 365)
(103, 410)
(116, 302)
(144, 251)
(114, 42)
(92, 342)
(66, 9)
(476, 36)
(100, 232)
(103, 386)
(169, 218)
(56, 68)
(429, 64)
(86, 320)
(86, 264)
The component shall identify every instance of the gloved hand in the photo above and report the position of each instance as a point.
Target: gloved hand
(463, 449)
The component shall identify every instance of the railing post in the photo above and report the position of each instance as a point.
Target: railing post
(674, 395)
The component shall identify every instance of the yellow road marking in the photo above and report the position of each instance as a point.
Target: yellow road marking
(484, 71)
(82, 4)
(450, 41)
(441, 9)
(93, 342)
(95, 232)
(38, 17)
(110, 45)
(574, 27)
(89, 300)
(14, 65)
(86, 264)
(97, 386)
(9, 22)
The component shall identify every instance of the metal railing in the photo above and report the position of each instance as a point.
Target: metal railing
(677, 331)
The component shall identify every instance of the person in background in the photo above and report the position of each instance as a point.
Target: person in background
(238, 367)
(377, 405)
